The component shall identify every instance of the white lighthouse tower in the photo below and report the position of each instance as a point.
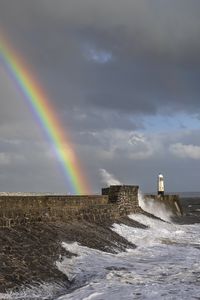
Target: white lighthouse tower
(161, 187)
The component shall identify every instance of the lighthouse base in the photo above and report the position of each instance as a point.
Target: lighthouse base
(161, 193)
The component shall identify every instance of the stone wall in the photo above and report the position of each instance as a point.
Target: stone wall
(15, 210)
(125, 196)
(18, 210)
(116, 201)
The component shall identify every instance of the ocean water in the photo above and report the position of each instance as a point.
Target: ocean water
(165, 265)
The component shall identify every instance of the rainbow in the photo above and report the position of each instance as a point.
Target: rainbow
(39, 103)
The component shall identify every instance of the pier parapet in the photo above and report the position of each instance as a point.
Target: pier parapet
(115, 202)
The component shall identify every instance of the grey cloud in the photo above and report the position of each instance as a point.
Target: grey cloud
(155, 46)
(160, 25)
(185, 151)
(152, 68)
(114, 153)
(29, 166)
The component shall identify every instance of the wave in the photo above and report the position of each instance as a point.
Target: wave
(163, 266)
(155, 269)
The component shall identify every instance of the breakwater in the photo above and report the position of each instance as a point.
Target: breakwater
(116, 201)
(32, 228)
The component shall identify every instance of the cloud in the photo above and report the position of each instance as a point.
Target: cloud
(162, 28)
(106, 67)
(99, 56)
(108, 178)
(4, 159)
(132, 145)
(8, 159)
(185, 151)
(72, 45)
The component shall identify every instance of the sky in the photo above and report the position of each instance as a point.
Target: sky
(124, 79)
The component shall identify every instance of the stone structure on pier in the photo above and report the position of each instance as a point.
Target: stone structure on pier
(116, 201)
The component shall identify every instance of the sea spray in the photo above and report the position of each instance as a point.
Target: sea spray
(149, 205)
(40, 291)
(153, 207)
(108, 178)
(154, 270)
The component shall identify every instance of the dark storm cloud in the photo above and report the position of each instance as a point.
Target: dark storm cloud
(154, 47)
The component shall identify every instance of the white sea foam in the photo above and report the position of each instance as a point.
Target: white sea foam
(165, 265)
(42, 291)
(153, 207)
(158, 232)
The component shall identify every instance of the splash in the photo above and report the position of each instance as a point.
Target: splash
(42, 291)
(153, 207)
(108, 178)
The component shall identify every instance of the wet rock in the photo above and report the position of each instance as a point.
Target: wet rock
(28, 253)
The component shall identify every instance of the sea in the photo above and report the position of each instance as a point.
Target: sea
(165, 264)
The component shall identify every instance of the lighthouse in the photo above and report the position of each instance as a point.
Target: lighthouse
(161, 187)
